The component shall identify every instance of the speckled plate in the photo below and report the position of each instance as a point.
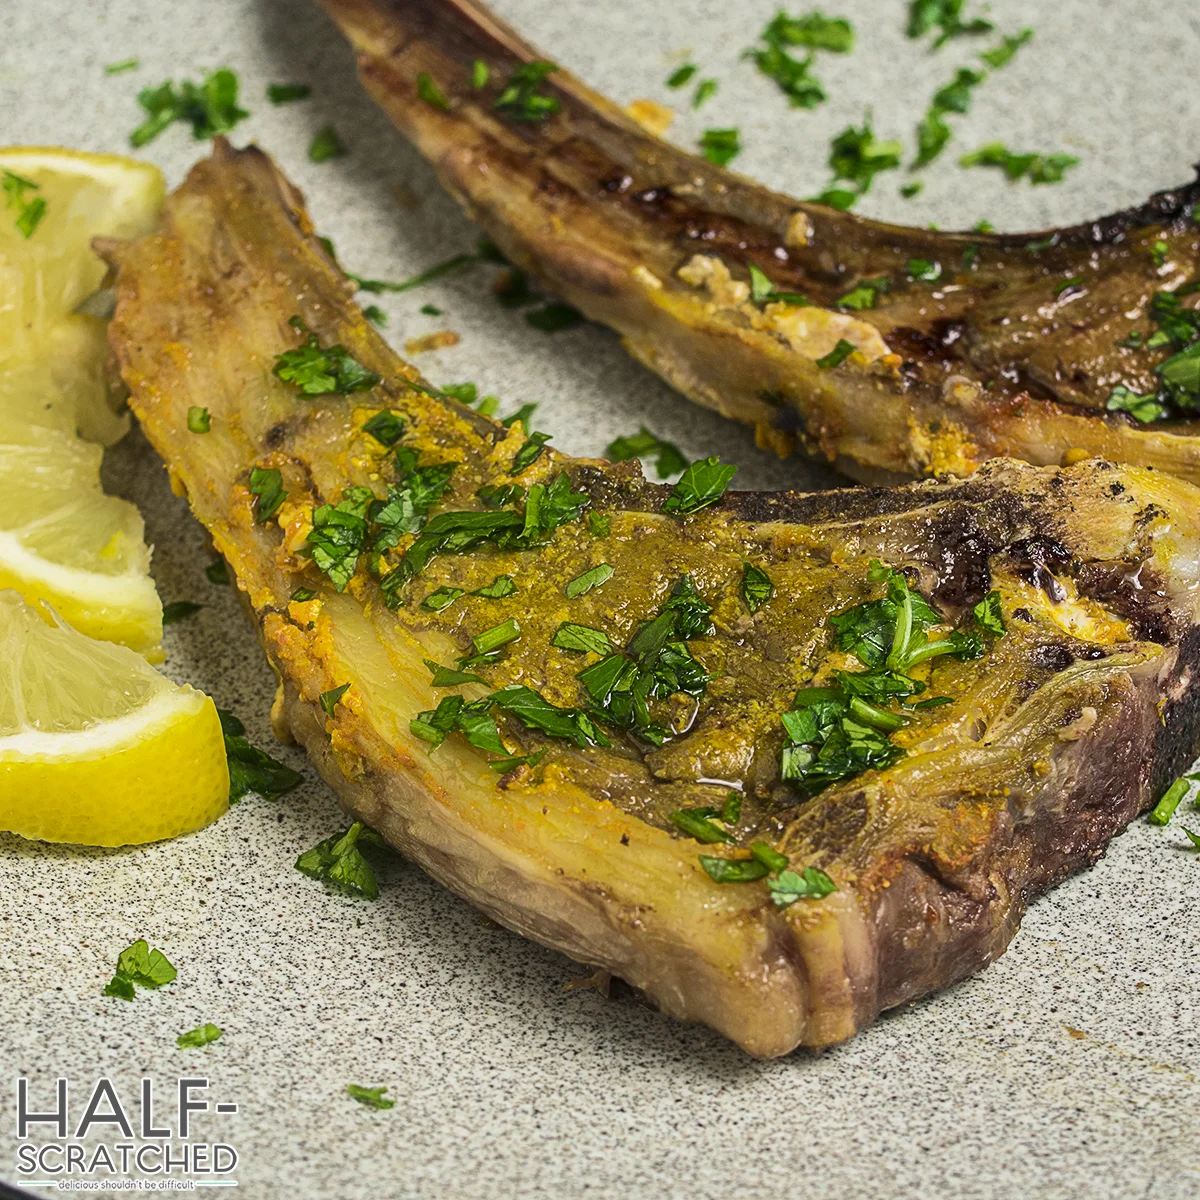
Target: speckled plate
(1066, 1069)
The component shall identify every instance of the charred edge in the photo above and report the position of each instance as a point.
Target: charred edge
(1177, 740)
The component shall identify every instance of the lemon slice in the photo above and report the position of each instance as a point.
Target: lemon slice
(63, 540)
(96, 747)
(47, 268)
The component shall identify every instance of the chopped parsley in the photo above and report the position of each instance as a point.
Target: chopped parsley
(763, 291)
(944, 16)
(480, 74)
(837, 355)
(119, 68)
(599, 524)
(696, 823)
(581, 638)
(378, 286)
(1159, 252)
(138, 965)
(449, 676)
(497, 636)
(338, 861)
(656, 663)
(1068, 285)
(520, 98)
(211, 107)
(529, 453)
(813, 31)
(409, 500)
(330, 699)
(386, 427)
(325, 145)
(989, 615)
(302, 595)
(371, 1097)
(1169, 801)
(555, 316)
(198, 419)
(787, 887)
(322, 372)
(668, 458)
(865, 295)
(442, 598)
(250, 769)
(913, 188)
(179, 610)
(286, 93)
(933, 133)
(217, 572)
(720, 146)
(925, 270)
(588, 580)
(703, 483)
(857, 156)
(431, 310)
(681, 75)
(500, 587)
(1141, 408)
(1194, 838)
(429, 91)
(29, 212)
(757, 587)
(1002, 55)
(376, 315)
(706, 89)
(534, 711)
(339, 535)
(267, 484)
(1037, 168)
(523, 414)
(202, 1035)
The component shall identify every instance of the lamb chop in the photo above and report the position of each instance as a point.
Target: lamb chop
(781, 760)
(890, 352)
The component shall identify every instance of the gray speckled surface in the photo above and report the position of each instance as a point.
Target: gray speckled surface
(1066, 1069)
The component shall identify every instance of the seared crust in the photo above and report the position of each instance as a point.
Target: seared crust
(1056, 739)
(997, 358)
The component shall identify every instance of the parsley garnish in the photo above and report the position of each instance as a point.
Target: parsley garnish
(668, 458)
(762, 291)
(703, 483)
(529, 453)
(520, 98)
(1002, 55)
(322, 372)
(946, 17)
(250, 769)
(267, 484)
(588, 580)
(198, 419)
(500, 495)
(522, 414)
(371, 1097)
(865, 295)
(856, 156)
(599, 524)
(555, 316)
(924, 269)
(480, 74)
(338, 861)
(582, 638)
(139, 965)
(429, 91)
(330, 699)
(1068, 285)
(1159, 252)
(339, 535)
(500, 587)
(386, 427)
(696, 823)
(202, 1035)
(914, 188)
(837, 355)
(1038, 168)
(656, 663)
(681, 75)
(1141, 408)
(933, 133)
(534, 711)
(29, 212)
(376, 315)
(325, 145)
(706, 89)
(989, 614)
(757, 587)
(119, 68)
(179, 610)
(1169, 801)
(785, 888)
(720, 146)
(210, 106)
(217, 572)
(285, 93)
(442, 598)
(302, 595)
(449, 676)
(431, 310)
(813, 31)
(788, 887)
(1181, 377)
(497, 636)
(377, 286)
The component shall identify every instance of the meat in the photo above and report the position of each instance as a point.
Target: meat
(913, 836)
(977, 345)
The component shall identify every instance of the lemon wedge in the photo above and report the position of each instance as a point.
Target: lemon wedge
(96, 747)
(61, 539)
(53, 202)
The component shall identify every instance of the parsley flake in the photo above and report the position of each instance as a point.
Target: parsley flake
(788, 886)
(371, 1097)
(480, 74)
(339, 535)
(29, 212)
(119, 68)
(763, 291)
(668, 458)
(330, 699)
(198, 419)
(139, 965)
(1037, 168)
(267, 484)
(325, 145)
(857, 156)
(429, 91)
(757, 587)
(500, 587)
(681, 75)
(338, 861)
(581, 638)
(250, 769)
(720, 146)
(386, 427)
(520, 98)
(202, 1035)
(1002, 55)
(179, 610)
(287, 93)
(442, 598)
(837, 355)
(322, 372)
(706, 89)
(210, 106)
(529, 453)
(1141, 408)
(588, 580)
(945, 16)
(702, 484)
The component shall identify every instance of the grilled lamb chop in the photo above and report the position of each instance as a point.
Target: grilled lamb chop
(797, 757)
(1015, 348)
